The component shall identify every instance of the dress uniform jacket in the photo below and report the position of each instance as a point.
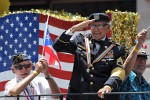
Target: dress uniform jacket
(87, 79)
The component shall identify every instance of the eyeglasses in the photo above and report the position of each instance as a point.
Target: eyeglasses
(98, 26)
(19, 67)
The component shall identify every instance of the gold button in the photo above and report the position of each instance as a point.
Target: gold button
(91, 75)
(91, 83)
(92, 68)
(106, 63)
(88, 70)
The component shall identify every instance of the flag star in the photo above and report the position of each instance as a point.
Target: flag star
(20, 34)
(11, 35)
(34, 63)
(15, 50)
(25, 51)
(4, 64)
(9, 56)
(6, 42)
(20, 45)
(1, 37)
(16, 29)
(30, 24)
(35, 18)
(21, 24)
(7, 20)
(2, 27)
(6, 31)
(1, 48)
(10, 46)
(30, 35)
(12, 25)
(29, 56)
(5, 52)
(25, 29)
(25, 40)
(0, 58)
(34, 30)
(17, 18)
(29, 45)
(34, 53)
(26, 18)
(35, 42)
(16, 41)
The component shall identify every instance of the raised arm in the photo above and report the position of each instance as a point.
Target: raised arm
(130, 61)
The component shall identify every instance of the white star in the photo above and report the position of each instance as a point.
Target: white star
(11, 35)
(0, 58)
(9, 56)
(6, 31)
(29, 45)
(20, 45)
(12, 24)
(35, 18)
(34, 53)
(1, 37)
(30, 35)
(1, 48)
(30, 24)
(10, 46)
(21, 24)
(6, 42)
(25, 29)
(16, 41)
(7, 20)
(5, 52)
(26, 18)
(25, 51)
(15, 50)
(2, 27)
(25, 40)
(29, 56)
(34, 42)
(4, 64)
(16, 29)
(34, 30)
(20, 34)
(17, 18)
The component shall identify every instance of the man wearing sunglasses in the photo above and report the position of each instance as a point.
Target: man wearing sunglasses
(96, 67)
(27, 82)
(135, 66)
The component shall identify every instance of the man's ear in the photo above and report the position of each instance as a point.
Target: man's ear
(13, 69)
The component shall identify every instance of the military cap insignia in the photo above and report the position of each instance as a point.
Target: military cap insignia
(96, 16)
(17, 58)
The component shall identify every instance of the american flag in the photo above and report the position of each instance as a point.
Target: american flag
(24, 32)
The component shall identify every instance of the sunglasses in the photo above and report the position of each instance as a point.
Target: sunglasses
(98, 26)
(142, 57)
(19, 67)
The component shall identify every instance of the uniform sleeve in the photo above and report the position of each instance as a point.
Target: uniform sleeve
(63, 44)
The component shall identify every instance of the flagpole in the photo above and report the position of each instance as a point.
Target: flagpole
(45, 32)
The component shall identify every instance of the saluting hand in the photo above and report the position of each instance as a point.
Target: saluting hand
(81, 25)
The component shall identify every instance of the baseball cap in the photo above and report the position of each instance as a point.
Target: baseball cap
(100, 17)
(142, 53)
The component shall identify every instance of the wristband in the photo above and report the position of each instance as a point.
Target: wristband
(136, 50)
(35, 72)
(50, 77)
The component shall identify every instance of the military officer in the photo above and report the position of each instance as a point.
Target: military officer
(95, 65)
